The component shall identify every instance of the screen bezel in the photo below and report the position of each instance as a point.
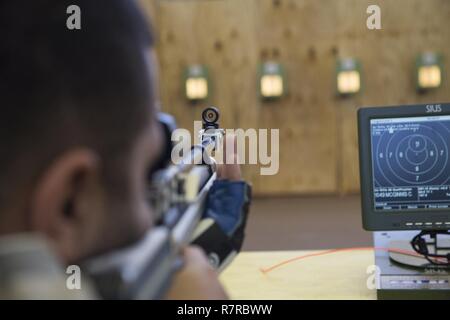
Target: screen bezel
(394, 220)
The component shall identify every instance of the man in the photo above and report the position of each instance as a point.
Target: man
(78, 134)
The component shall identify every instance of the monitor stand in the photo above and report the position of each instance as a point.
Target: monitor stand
(401, 252)
(403, 274)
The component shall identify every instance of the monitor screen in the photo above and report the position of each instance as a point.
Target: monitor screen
(410, 163)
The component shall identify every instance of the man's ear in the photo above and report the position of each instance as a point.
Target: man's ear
(64, 199)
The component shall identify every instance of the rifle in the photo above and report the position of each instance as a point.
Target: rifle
(178, 194)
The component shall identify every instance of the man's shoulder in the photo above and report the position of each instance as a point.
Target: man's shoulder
(29, 270)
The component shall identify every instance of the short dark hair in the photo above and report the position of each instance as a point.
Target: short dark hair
(61, 88)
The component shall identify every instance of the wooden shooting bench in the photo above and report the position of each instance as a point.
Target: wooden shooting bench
(302, 275)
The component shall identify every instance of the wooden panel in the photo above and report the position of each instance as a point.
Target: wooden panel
(306, 117)
(150, 8)
(318, 151)
(388, 58)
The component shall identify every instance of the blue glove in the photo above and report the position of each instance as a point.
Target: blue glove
(227, 205)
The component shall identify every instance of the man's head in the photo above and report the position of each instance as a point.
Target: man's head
(77, 128)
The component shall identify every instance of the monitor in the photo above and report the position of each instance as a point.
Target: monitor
(405, 167)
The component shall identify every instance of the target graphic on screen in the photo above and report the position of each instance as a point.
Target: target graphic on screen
(411, 154)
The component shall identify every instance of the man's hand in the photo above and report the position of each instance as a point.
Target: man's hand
(197, 280)
(229, 171)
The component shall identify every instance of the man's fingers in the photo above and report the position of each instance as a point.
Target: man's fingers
(194, 255)
(231, 169)
(197, 280)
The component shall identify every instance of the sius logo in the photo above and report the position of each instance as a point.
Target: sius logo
(434, 108)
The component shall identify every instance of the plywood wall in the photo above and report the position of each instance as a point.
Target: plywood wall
(318, 151)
